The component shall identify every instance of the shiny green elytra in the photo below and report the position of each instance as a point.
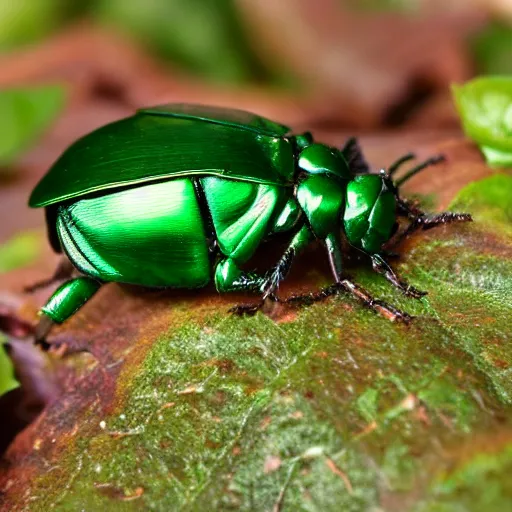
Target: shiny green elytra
(181, 195)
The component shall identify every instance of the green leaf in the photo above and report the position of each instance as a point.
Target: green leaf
(24, 115)
(485, 107)
(7, 380)
(497, 157)
(19, 251)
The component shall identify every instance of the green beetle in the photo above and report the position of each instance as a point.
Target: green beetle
(180, 195)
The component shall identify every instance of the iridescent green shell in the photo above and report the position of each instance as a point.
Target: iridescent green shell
(225, 116)
(369, 213)
(166, 142)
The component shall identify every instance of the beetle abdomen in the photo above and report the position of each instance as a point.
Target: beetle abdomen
(150, 235)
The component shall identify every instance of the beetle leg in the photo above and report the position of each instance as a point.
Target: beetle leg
(63, 271)
(381, 267)
(43, 328)
(383, 308)
(345, 285)
(270, 282)
(230, 278)
(431, 221)
(303, 238)
(246, 309)
(311, 298)
(65, 302)
(415, 170)
(333, 245)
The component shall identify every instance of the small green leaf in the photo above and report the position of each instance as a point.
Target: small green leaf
(24, 114)
(7, 380)
(19, 251)
(485, 107)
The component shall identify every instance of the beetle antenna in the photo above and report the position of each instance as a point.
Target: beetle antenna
(398, 163)
(415, 170)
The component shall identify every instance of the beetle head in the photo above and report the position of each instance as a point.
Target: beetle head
(370, 211)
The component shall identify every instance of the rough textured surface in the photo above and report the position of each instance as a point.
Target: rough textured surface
(179, 405)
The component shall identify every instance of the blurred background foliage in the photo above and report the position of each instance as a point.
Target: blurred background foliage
(203, 37)
(209, 39)
(25, 113)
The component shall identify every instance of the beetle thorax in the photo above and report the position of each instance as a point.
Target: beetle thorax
(323, 174)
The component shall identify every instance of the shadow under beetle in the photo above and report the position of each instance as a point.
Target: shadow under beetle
(178, 195)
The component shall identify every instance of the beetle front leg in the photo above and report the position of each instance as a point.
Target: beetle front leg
(346, 285)
(431, 221)
(381, 267)
(379, 306)
(333, 245)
